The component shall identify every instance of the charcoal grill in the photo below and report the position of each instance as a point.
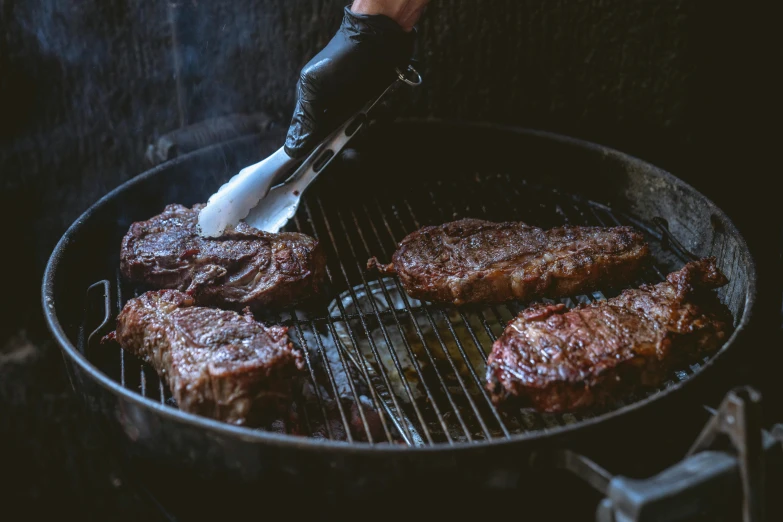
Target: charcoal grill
(395, 385)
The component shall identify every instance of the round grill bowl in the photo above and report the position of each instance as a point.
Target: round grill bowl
(412, 174)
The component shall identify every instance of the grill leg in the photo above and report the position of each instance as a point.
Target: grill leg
(697, 485)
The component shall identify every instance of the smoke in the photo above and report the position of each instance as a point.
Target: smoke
(63, 30)
(107, 78)
(211, 58)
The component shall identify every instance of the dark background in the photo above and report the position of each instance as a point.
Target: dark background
(85, 87)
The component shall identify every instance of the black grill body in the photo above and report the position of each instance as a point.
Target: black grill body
(439, 428)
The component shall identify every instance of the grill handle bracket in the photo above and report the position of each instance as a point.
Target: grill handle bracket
(99, 330)
(702, 483)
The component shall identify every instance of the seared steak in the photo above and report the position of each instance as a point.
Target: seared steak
(471, 260)
(218, 363)
(244, 267)
(556, 360)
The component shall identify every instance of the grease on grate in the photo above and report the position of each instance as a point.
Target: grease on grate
(388, 303)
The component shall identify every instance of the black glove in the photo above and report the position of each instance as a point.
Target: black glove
(355, 66)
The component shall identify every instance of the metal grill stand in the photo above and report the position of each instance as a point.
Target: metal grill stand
(696, 487)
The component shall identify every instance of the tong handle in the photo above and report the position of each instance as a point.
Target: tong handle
(281, 203)
(324, 153)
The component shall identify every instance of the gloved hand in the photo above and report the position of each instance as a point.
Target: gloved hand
(354, 67)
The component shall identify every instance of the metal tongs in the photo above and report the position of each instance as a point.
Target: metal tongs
(247, 196)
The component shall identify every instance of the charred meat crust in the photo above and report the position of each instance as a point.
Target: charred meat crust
(471, 260)
(245, 267)
(218, 363)
(557, 360)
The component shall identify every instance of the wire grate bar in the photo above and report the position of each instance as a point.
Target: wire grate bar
(352, 386)
(426, 386)
(536, 419)
(420, 334)
(313, 379)
(508, 204)
(403, 295)
(362, 366)
(354, 338)
(341, 355)
(143, 380)
(373, 395)
(348, 315)
(460, 348)
(390, 303)
(482, 318)
(416, 326)
(385, 334)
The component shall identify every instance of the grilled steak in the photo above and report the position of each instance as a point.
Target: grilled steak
(244, 267)
(556, 360)
(478, 261)
(218, 363)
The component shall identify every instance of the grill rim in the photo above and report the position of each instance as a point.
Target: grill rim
(307, 443)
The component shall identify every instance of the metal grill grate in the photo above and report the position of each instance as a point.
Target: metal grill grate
(383, 367)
